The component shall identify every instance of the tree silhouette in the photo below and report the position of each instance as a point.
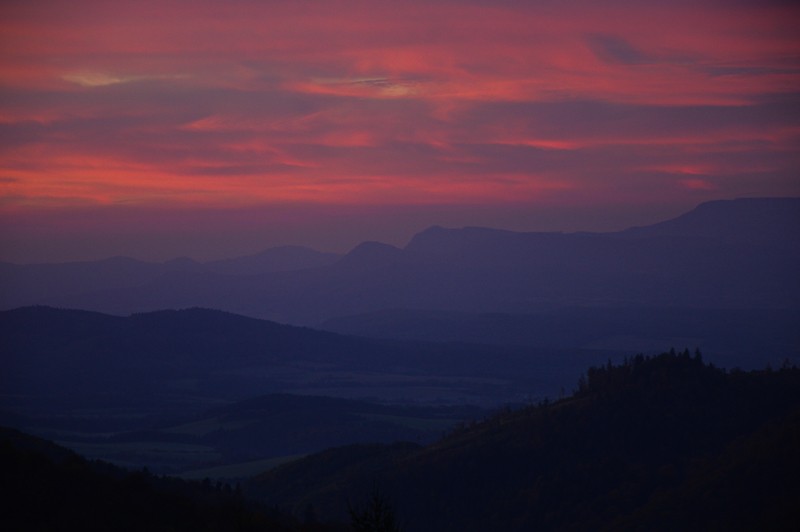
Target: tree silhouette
(377, 515)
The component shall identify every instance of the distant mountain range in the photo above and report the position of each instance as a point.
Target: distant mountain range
(29, 284)
(764, 221)
(724, 254)
(745, 338)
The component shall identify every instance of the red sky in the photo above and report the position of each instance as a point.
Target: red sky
(207, 128)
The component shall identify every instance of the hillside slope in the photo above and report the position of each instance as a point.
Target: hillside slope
(747, 338)
(637, 440)
(59, 362)
(46, 487)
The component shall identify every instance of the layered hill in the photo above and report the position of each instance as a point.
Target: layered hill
(47, 487)
(746, 338)
(30, 284)
(243, 438)
(653, 444)
(659, 443)
(770, 221)
(726, 254)
(58, 363)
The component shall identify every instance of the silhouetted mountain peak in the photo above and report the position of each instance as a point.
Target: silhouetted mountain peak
(742, 253)
(774, 221)
(371, 253)
(431, 232)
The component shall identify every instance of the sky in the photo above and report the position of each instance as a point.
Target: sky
(158, 129)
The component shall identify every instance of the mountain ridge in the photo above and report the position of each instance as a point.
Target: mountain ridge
(74, 355)
(762, 215)
(699, 264)
(636, 439)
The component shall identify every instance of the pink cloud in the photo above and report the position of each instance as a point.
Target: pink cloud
(251, 103)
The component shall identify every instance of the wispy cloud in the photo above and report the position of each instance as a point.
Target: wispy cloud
(247, 103)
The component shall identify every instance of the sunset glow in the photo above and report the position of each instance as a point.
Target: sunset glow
(310, 112)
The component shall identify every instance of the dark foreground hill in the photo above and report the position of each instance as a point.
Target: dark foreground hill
(667, 443)
(46, 487)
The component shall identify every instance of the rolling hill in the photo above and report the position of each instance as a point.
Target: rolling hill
(745, 338)
(659, 443)
(32, 284)
(47, 487)
(108, 384)
(67, 355)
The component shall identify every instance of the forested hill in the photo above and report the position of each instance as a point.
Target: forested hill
(662, 443)
(47, 487)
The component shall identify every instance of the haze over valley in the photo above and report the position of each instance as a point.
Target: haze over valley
(380, 266)
(117, 360)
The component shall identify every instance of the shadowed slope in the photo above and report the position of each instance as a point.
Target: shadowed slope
(634, 440)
